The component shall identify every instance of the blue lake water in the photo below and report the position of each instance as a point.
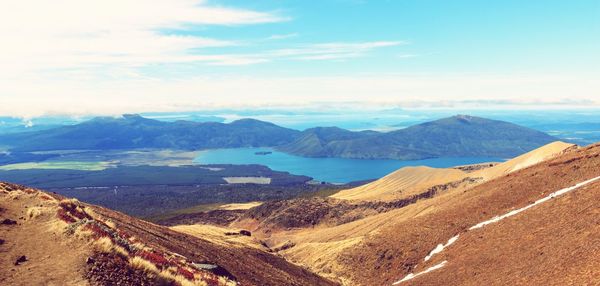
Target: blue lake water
(334, 170)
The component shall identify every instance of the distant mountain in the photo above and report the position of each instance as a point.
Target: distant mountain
(315, 142)
(457, 136)
(134, 131)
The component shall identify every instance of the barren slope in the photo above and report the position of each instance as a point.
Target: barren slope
(70, 242)
(402, 183)
(400, 247)
(409, 181)
(371, 242)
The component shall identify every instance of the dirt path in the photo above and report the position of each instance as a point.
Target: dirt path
(51, 258)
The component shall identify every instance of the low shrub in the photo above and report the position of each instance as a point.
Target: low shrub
(64, 216)
(33, 213)
(185, 273)
(97, 231)
(153, 257)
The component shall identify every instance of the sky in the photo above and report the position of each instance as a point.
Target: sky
(82, 57)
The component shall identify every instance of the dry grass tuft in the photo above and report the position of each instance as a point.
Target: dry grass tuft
(33, 213)
(110, 224)
(106, 245)
(57, 226)
(46, 197)
(180, 279)
(15, 195)
(91, 213)
(226, 282)
(145, 265)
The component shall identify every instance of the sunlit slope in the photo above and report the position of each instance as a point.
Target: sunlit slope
(552, 243)
(412, 180)
(543, 153)
(401, 183)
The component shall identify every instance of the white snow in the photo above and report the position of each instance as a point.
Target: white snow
(546, 198)
(440, 247)
(411, 276)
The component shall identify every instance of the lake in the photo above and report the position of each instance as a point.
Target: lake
(333, 170)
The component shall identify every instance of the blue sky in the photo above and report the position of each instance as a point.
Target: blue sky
(437, 36)
(100, 57)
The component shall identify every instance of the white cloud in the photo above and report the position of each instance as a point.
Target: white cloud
(327, 51)
(45, 35)
(283, 36)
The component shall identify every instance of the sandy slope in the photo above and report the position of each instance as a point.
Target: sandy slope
(528, 159)
(228, 237)
(413, 180)
(401, 183)
(239, 206)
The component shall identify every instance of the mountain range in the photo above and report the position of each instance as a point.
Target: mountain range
(134, 131)
(457, 136)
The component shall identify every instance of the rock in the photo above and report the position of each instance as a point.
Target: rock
(7, 221)
(21, 259)
(2, 241)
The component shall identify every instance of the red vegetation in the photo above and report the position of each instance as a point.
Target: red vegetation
(71, 208)
(97, 231)
(123, 234)
(185, 273)
(211, 280)
(155, 258)
(64, 216)
(46, 198)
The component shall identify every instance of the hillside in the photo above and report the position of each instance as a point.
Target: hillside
(410, 181)
(50, 240)
(547, 244)
(134, 131)
(538, 205)
(457, 136)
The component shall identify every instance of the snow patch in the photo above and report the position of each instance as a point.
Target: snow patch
(544, 199)
(412, 276)
(440, 247)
